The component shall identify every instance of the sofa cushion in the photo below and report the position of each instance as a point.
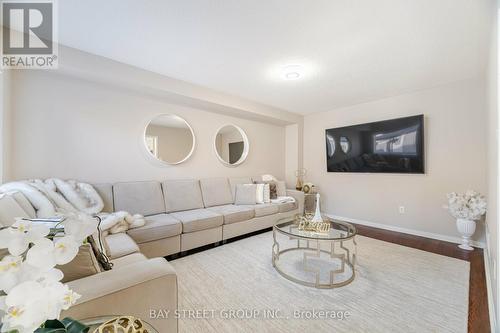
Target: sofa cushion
(239, 180)
(264, 209)
(216, 192)
(157, 227)
(286, 206)
(182, 195)
(144, 198)
(105, 190)
(198, 219)
(120, 245)
(233, 213)
(127, 260)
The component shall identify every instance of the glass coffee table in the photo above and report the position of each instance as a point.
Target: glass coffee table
(317, 259)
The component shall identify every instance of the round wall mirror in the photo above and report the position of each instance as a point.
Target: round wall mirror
(231, 145)
(345, 144)
(169, 138)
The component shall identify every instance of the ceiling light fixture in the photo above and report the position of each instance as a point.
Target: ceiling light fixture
(292, 75)
(292, 72)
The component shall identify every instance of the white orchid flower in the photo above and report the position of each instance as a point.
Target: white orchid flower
(25, 307)
(10, 272)
(67, 297)
(41, 255)
(47, 254)
(34, 291)
(80, 226)
(42, 276)
(18, 237)
(65, 249)
(31, 303)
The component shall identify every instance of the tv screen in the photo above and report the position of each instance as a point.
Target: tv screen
(390, 146)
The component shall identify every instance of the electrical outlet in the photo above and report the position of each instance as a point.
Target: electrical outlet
(401, 209)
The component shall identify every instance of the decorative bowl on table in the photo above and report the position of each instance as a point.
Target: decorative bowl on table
(118, 324)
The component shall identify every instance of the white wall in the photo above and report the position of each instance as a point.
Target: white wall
(455, 147)
(70, 128)
(5, 123)
(291, 154)
(492, 77)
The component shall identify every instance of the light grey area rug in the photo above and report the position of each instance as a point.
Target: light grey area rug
(234, 288)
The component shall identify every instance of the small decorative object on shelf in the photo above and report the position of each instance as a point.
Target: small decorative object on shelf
(467, 208)
(317, 215)
(308, 188)
(300, 173)
(306, 224)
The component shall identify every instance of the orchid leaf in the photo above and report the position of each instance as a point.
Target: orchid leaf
(74, 326)
(52, 326)
(66, 325)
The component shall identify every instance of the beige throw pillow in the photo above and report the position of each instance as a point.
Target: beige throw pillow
(245, 194)
(84, 264)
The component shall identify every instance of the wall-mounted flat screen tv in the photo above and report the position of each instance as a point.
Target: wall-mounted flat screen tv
(390, 146)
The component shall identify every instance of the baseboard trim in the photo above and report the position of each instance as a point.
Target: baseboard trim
(489, 290)
(414, 232)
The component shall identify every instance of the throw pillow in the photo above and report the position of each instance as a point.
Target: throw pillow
(259, 198)
(267, 193)
(84, 264)
(272, 188)
(245, 194)
(281, 188)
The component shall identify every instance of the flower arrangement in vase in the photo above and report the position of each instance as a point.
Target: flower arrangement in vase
(33, 294)
(466, 208)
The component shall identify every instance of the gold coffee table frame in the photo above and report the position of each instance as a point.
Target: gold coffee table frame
(340, 232)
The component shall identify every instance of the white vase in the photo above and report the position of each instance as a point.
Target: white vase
(466, 228)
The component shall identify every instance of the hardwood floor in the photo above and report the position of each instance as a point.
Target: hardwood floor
(479, 321)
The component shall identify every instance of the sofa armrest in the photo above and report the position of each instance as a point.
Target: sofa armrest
(138, 289)
(299, 196)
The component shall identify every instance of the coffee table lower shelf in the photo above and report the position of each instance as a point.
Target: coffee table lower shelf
(341, 253)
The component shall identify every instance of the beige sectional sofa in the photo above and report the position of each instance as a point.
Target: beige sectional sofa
(185, 214)
(180, 215)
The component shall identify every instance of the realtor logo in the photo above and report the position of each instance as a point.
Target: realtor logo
(28, 35)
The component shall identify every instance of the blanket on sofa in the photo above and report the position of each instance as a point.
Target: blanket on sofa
(54, 196)
(280, 200)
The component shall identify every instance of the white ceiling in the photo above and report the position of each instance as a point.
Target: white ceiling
(354, 50)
